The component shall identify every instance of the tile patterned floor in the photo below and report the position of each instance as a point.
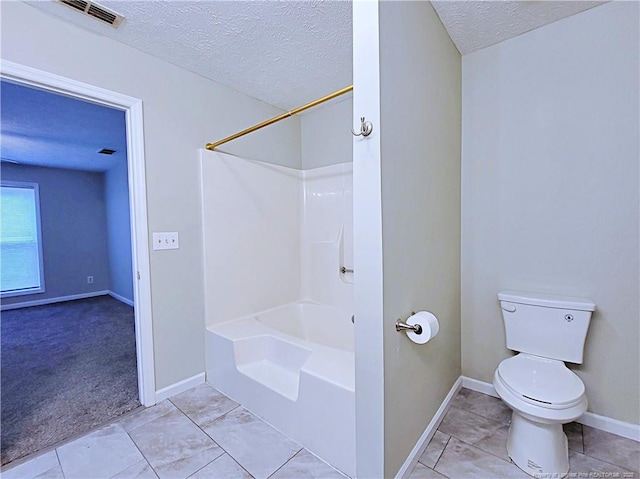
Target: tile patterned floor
(202, 434)
(471, 443)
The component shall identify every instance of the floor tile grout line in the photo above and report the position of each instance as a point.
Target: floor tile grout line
(207, 464)
(227, 452)
(256, 416)
(474, 445)
(480, 415)
(192, 420)
(68, 440)
(330, 465)
(480, 449)
(486, 417)
(511, 462)
(208, 423)
(239, 465)
(59, 463)
(607, 462)
(581, 436)
(224, 451)
(141, 453)
(434, 469)
(146, 409)
(238, 405)
(441, 452)
(64, 474)
(584, 453)
(286, 462)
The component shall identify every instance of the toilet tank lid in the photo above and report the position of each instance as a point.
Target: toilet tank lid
(547, 300)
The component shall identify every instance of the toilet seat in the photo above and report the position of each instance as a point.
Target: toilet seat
(541, 382)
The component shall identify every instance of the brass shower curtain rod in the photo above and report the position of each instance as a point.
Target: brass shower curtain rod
(212, 146)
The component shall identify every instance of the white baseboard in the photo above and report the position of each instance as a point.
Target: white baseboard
(120, 298)
(59, 299)
(179, 387)
(621, 428)
(428, 433)
(608, 424)
(479, 386)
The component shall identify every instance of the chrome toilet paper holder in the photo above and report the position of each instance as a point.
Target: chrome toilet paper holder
(402, 326)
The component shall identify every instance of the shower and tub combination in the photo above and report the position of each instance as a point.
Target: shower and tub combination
(278, 246)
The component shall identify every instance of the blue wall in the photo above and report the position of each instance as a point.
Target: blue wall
(119, 231)
(85, 230)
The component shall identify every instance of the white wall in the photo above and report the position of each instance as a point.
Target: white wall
(182, 112)
(327, 236)
(274, 235)
(550, 191)
(327, 155)
(252, 217)
(326, 134)
(420, 92)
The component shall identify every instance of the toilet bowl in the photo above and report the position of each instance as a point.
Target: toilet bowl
(544, 394)
(536, 384)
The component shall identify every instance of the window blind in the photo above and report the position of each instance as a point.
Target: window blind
(20, 243)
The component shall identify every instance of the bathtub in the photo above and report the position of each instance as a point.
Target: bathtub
(294, 367)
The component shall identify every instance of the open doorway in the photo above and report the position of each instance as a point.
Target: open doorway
(119, 280)
(68, 336)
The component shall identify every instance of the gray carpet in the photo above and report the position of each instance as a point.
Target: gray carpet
(66, 368)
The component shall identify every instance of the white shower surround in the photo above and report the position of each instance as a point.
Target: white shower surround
(279, 336)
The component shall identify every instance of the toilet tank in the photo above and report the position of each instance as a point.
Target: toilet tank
(546, 325)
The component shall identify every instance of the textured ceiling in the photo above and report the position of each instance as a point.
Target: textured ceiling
(47, 129)
(473, 25)
(286, 53)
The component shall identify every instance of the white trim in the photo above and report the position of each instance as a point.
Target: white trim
(137, 202)
(479, 386)
(608, 424)
(120, 298)
(367, 247)
(59, 299)
(140, 254)
(428, 433)
(180, 387)
(604, 423)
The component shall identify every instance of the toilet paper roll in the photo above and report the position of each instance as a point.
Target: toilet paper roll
(429, 324)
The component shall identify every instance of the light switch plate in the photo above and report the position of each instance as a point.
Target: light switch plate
(166, 240)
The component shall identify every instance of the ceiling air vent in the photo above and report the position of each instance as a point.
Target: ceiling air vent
(77, 4)
(94, 10)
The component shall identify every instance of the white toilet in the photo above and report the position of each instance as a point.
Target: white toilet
(544, 394)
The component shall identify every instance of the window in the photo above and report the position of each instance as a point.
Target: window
(21, 270)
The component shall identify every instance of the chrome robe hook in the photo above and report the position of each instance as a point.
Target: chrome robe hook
(366, 127)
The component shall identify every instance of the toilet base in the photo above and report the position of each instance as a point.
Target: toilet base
(536, 448)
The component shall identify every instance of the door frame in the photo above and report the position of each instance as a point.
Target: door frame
(137, 201)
